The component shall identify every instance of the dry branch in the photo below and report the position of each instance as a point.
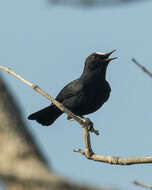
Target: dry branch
(81, 121)
(86, 124)
(144, 69)
(88, 153)
(142, 185)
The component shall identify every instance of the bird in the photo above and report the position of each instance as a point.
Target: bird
(83, 95)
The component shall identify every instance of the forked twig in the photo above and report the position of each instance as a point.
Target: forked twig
(88, 153)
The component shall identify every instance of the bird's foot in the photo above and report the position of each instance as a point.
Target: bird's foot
(89, 125)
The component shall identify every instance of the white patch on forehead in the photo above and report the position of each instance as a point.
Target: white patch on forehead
(100, 53)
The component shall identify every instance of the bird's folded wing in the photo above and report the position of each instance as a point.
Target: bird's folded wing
(70, 90)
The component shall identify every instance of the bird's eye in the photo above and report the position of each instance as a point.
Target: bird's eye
(94, 56)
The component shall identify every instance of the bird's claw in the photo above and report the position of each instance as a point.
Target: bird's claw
(89, 125)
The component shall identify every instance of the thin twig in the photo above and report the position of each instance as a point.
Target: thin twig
(144, 69)
(142, 185)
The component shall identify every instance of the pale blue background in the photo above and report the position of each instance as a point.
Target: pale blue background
(48, 46)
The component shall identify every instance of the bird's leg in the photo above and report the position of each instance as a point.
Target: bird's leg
(70, 118)
(87, 122)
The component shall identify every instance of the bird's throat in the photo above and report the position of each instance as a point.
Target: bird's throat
(89, 78)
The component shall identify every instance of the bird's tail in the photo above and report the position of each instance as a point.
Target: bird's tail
(46, 116)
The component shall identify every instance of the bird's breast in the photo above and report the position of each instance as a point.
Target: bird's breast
(93, 97)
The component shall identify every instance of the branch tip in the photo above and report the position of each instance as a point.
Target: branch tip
(142, 185)
(144, 69)
(80, 151)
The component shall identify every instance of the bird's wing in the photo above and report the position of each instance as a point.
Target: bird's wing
(70, 90)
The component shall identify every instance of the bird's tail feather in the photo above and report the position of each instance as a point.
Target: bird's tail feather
(46, 116)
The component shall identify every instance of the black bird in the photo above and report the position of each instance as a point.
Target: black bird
(83, 95)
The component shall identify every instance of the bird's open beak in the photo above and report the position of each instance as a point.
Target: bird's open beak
(110, 59)
(106, 55)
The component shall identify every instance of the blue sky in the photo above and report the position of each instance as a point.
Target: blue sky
(48, 46)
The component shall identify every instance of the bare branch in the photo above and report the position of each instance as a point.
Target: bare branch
(87, 126)
(88, 153)
(142, 185)
(142, 67)
(81, 121)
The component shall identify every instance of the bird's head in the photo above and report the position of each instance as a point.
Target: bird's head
(98, 60)
(96, 65)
